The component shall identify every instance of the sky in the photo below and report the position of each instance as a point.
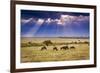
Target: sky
(54, 24)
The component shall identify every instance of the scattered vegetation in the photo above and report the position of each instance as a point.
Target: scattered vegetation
(50, 43)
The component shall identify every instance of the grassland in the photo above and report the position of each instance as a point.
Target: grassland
(33, 53)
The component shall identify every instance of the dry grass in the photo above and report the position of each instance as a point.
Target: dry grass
(34, 54)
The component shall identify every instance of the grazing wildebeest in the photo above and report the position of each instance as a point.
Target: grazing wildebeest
(64, 48)
(43, 48)
(72, 47)
(55, 48)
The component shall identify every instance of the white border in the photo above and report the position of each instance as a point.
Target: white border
(52, 64)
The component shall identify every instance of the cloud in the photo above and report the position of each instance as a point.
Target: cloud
(59, 22)
(48, 20)
(40, 21)
(24, 21)
(82, 18)
(68, 19)
(63, 20)
(32, 20)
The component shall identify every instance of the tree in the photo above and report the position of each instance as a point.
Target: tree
(47, 42)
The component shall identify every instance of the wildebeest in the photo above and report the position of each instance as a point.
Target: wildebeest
(64, 48)
(43, 48)
(72, 47)
(55, 48)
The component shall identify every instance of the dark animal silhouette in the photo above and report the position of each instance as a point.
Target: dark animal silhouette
(72, 47)
(55, 48)
(64, 48)
(43, 48)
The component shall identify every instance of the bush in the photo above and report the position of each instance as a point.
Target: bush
(86, 42)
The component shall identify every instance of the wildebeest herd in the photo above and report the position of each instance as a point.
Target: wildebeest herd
(61, 48)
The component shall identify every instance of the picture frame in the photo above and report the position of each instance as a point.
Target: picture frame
(25, 9)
